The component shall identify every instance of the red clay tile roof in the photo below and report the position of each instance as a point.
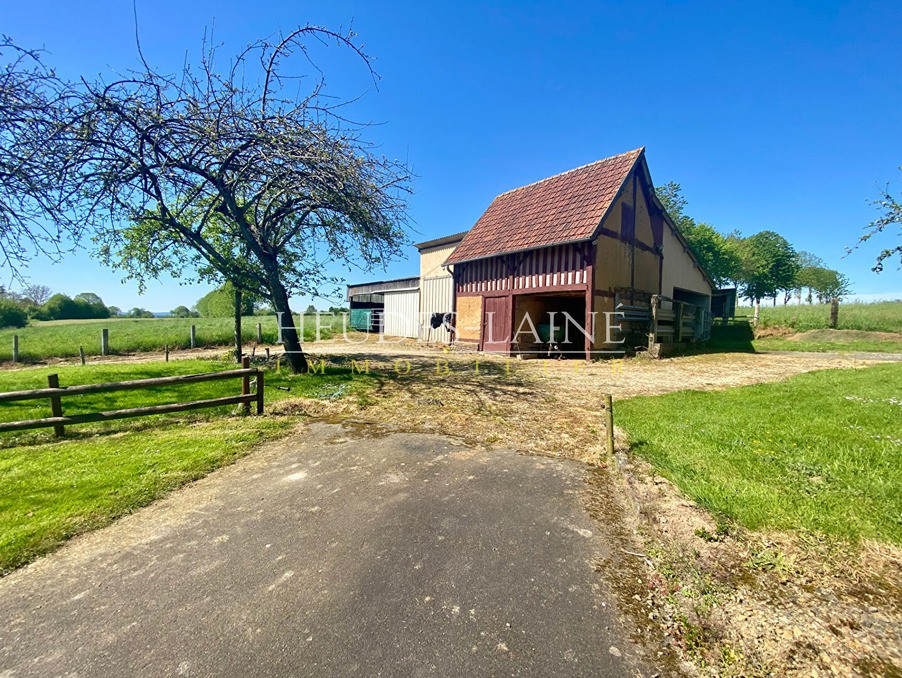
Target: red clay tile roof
(567, 207)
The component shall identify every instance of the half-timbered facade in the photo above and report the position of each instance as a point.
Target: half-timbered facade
(559, 254)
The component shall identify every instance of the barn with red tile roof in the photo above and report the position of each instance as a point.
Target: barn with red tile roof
(547, 261)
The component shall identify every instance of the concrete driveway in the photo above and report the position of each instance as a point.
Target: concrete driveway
(336, 553)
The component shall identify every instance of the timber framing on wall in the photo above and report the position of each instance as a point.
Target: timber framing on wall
(598, 231)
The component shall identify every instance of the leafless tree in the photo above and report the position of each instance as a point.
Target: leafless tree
(37, 294)
(249, 174)
(36, 216)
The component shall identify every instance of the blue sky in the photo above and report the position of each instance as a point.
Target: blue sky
(772, 115)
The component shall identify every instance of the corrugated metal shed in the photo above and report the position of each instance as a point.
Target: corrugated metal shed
(402, 312)
(381, 286)
(437, 296)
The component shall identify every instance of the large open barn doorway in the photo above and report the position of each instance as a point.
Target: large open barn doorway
(552, 324)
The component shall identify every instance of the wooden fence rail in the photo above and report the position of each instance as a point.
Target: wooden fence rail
(682, 322)
(55, 393)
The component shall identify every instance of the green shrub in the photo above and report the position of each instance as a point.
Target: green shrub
(85, 306)
(11, 314)
(220, 303)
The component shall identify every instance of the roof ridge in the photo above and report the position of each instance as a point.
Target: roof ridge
(575, 169)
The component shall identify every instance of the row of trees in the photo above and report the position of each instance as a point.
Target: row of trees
(241, 170)
(763, 265)
(39, 303)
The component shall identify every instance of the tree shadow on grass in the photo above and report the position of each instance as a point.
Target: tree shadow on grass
(736, 336)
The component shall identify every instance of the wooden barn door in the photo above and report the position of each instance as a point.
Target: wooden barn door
(496, 325)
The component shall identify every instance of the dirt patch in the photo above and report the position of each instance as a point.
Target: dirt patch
(547, 407)
(844, 336)
(744, 604)
(762, 332)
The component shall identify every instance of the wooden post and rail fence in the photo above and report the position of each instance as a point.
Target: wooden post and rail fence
(55, 393)
(106, 349)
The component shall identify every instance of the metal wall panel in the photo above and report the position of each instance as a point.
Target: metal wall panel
(402, 314)
(437, 296)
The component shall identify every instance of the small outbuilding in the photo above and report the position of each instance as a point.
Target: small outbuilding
(545, 263)
(389, 306)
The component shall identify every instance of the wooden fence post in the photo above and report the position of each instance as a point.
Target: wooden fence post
(834, 313)
(56, 405)
(678, 327)
(166, 352)
(193, 336)
(15, 348)
(81, 354)
(259, 333)
(653, 337)
(104, 341)
(260, 392)
(609, 423)
(246, 383)
(267, 354)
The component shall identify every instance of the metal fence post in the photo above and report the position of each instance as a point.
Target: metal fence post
(56, 405)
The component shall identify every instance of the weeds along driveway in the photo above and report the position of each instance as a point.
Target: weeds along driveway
(335, 553)
(546, 407)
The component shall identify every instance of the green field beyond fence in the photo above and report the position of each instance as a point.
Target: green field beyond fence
(62, 338)
(883, 316)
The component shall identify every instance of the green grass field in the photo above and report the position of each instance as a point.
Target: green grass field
(819, 452)
(883, 316)
(828, 344)
(865, 328)
(53, 489)
(738, 336)
(62, 338)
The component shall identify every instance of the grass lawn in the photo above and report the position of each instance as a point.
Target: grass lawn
(819, 452)
(883, 316)
(828, 345)
(53, 489)
(738, 336)
(61, 338)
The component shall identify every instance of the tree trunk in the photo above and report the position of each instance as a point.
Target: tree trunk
(757, 311)
(238, 345)
(293, 351)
